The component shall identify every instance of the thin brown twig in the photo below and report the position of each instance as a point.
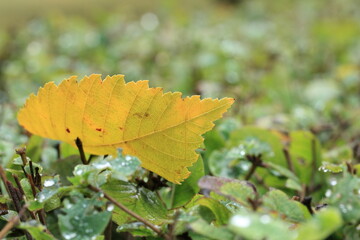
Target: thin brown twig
(18, 184)
(128, 211)
(31, 181)
(288, 159)
(22, 153)
(255, 162)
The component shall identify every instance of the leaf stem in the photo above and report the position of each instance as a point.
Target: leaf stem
(172, 197)
(256, 161)
(128, 211)
(81, 151)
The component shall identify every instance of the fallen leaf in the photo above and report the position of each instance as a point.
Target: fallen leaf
(162, 129)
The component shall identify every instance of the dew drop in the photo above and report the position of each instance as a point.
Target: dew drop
(328, 193)
(102, 165)
(41, 197)
(241, 221)
(265, 219)
(49, 183)
(110, 207)
(69, 235)
(333, 182)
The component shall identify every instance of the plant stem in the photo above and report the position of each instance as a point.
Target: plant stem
(81, 151)
(172, 197)
(22, 153)
(128, 211)
(307, 202)
(288, 160)
(255, 162)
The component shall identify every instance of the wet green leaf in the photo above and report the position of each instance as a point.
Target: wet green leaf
(101, 170)
(233, 189)
(330, 167)
(278, 201)
(51, 193)
(265, 136)
(258, 226)
(137, 229)
(346, 197)
(226, 163)
(81, 219)
(141, 201)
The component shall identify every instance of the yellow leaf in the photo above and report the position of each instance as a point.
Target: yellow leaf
(162, 129)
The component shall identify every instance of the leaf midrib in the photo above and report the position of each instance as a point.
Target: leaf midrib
(159, 131)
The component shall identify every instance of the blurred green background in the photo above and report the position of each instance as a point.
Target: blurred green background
(289, 64)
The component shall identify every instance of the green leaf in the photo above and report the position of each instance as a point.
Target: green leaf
(141, 201)
(321, 225)
(257, 226)
(120, 166)
(264, 136)
(51, 193)
(137, 229)
(9, 215)
(305, 152)
(290, 183)
(100, 171)
(221, 213)
(203, 228)
(81, 219)
(189, 188)
(346, 197)
(27, 188)
(278, 201)
(330, 167)
(233, 189)
(35, 205)
(36, 230)
(226, 163)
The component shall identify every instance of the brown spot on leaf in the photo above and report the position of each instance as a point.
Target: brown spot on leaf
(99, 129)
(68, 130)
(138, 115)
(146, 114)
(121, 128)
